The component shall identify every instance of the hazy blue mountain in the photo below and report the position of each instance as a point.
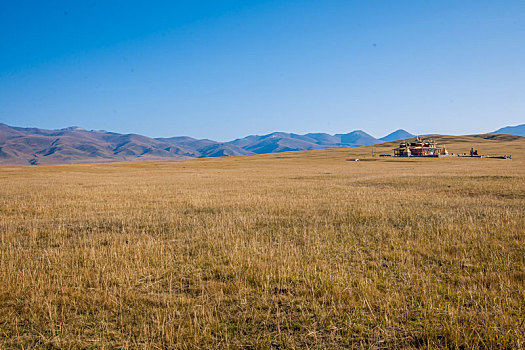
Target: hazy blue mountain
(518, 130)
(399, 134)
(274, 144)
(223, 150)
(246, 141)
(282, 142)
(323, 138)
(205, 147)
(188, 142)
(358, 138)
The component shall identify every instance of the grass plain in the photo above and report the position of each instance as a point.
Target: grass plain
(291, 250)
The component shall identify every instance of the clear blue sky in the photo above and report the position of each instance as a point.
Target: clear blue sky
(225, 69)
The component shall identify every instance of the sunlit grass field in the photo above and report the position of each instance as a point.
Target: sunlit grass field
(295, 250)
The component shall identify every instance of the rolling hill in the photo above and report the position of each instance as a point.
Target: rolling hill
(76, 145)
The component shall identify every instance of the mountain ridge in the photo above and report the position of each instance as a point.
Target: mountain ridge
(399, 134)
(74, 144)
(518, 130)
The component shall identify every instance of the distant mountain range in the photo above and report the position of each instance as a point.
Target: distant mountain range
(518, 130)
(77, 145)
(397, 135)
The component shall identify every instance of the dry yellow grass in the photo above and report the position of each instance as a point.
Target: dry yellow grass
(295, 250)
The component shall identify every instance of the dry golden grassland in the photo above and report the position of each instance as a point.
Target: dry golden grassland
(294, 250)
